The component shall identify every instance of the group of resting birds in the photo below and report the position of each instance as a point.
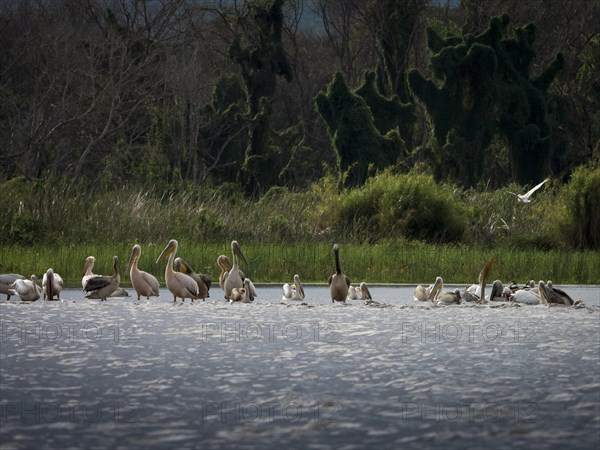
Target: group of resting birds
(530, 294)
(184, 283)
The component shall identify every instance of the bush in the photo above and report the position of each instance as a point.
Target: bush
(578, 210)
(408, 205)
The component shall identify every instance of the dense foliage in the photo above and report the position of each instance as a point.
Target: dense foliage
(144, 93)
(383, 119)
(390, 206)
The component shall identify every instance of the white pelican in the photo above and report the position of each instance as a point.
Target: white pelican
(295, 291)
(87, 270)
(352, 293)
(27, 290)
(103, 286)
(243, 295)
(237, 295)
(500, 293)
(234, 277)
(429, 293)
(225, 266)
(528, 297)
(449, 298)
(556, 295)
(526, 197)
(203, 281)
(338, 282)
(143, 283)
(250, 291)
(443, 298)
(180, 284)
(6, 279)
(52, 284)
(363, 291)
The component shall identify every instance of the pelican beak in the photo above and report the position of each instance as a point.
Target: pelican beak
(238, 251)
(224, 263)
(134, 252)
(486, 270)
(298, 284)
(167, 251)
(115, 266)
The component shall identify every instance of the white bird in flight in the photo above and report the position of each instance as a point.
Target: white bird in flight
(526, 197)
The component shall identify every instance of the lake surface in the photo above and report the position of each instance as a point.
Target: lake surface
(279, 374)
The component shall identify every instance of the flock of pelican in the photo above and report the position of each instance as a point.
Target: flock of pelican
(530, 294)
(183, 282)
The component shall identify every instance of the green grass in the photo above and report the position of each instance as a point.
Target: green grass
(398, 228)
(390, 262)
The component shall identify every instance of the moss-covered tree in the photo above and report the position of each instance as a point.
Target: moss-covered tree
(356, 140)
(523, 121)
(261, 61)
(223, 132)
(483, 87)
(461, 102)
(395, 23)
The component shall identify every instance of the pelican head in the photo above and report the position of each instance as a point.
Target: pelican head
(114, 265)
(136, 252)
(182, 266)
(237, 251)
(298, 284)
(365, 293)
(436, 289)
(89, 263)
(170, 248)
(543, 291)
(224, 263)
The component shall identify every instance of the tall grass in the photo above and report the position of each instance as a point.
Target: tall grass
(48, 224)
(389, 262)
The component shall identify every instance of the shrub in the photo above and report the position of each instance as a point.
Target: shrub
(578, 210)
(410, 205)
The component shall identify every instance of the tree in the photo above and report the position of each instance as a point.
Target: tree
(356, 140)
(261, 61)
(485, 88)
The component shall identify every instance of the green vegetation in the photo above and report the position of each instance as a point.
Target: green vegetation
(395, 261)
(395, 228)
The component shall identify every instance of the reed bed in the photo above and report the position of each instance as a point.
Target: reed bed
(398, 228)
(390, 262)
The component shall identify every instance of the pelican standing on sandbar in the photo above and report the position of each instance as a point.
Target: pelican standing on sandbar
(338, 283)
(203, 281)
(102, 286)
(234, 277)
(52, 284)
(143, 283)
(180, 284)
(6, 279)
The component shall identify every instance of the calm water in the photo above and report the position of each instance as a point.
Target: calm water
(279, 374)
